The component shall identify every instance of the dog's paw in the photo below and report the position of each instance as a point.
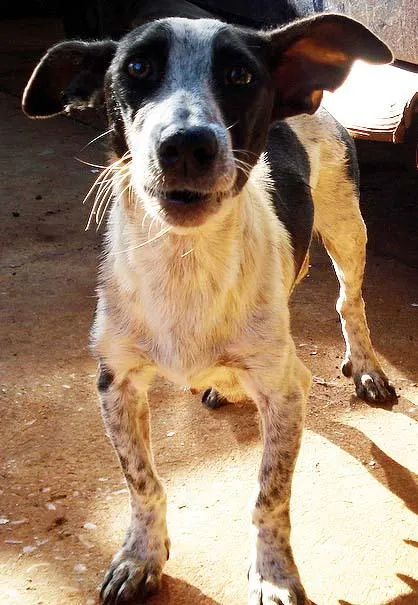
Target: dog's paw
(129, 580)
(374, 386)
(371, 385)
(285, 591)
(212, 399)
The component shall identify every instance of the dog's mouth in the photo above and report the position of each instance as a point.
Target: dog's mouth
(184, 197)
(185, 207)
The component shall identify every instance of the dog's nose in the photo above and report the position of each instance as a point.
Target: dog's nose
(192, 150)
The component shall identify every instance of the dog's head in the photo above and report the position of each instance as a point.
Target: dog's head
(190, 101)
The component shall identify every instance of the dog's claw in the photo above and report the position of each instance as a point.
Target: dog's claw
(374, 386)
(129, 581)
(212, 399)
(371, 384)
(287, 592)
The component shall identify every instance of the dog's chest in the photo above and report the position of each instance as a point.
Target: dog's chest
(186, 303)
(183, 306)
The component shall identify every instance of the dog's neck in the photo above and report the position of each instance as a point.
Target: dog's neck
(161, 261)
(137, 236)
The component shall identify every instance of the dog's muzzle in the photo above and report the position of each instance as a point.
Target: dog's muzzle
(194, 173)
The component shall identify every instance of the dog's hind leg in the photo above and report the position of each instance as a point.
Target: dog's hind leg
(340, 225)
(136, 569)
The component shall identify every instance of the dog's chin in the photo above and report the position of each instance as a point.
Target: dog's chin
(187, 209)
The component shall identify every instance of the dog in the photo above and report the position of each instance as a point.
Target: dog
(223, 166)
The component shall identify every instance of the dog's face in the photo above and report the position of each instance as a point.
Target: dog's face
(190, 102)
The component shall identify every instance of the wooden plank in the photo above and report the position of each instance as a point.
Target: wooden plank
(395, 21)
(376, 102)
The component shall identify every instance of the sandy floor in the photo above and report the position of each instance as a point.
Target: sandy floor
(63, 501)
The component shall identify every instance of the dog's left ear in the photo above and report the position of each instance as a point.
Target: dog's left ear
(316, 54)
(70, 75)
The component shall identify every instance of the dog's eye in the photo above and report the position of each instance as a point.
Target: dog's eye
(239, 76)
(139, 68)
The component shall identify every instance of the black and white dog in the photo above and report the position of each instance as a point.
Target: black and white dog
(219, 177)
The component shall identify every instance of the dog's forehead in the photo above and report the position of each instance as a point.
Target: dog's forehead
(187, 41)
(191, 47)
(193, 33)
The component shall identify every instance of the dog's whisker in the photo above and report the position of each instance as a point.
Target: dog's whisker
(103, 134)
(244, 164)
(96, 203)
(152, 223)
(243, 161)
(246, 152)
(104, 186)
(94, 212)
(146, 215)
(106, 198)
(89, 163)
(103, 214)
(91, 216)
(244, 170)
(112, 166)
(186, 253)
(96, 183)
(127, 188)
(130, 193)
(153, 239)
(101, 193)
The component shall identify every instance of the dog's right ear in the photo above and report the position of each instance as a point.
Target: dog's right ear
(70, 75)
(316, 54)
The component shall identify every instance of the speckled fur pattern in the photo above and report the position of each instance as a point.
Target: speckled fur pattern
(197, 292)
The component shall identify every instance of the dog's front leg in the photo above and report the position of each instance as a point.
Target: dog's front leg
(280, 395)
(136, 569)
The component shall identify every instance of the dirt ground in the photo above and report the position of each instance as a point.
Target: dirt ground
(63, 501)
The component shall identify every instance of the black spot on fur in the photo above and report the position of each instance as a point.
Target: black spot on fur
(246, 110)
(106, 377)
(290, 170)
(263, 501)
(140, 485)
(151, 40)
